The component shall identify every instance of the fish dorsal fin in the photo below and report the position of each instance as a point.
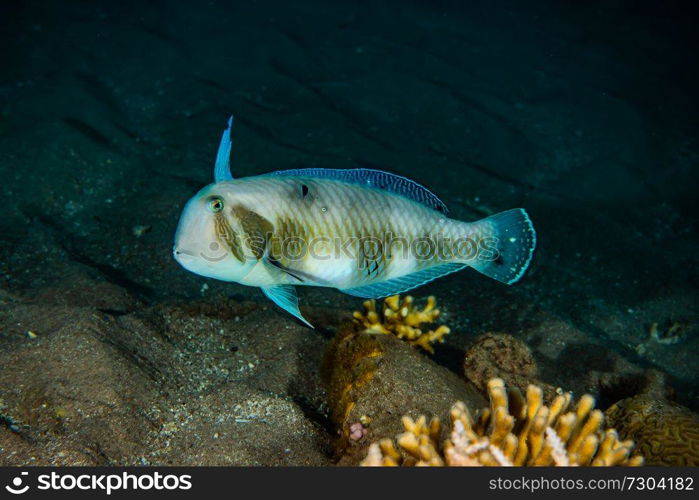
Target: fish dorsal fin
(222, 170)
(404, 283)
(285, 297)
(377, 179)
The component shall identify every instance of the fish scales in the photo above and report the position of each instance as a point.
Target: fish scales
(341, 212)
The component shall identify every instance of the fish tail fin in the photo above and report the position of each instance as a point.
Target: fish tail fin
(506, 243)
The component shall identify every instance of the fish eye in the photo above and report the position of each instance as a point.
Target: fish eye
(216, 205)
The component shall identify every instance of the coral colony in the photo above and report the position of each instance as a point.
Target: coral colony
(523, 432)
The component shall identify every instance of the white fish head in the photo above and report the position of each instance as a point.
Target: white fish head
(207, 241)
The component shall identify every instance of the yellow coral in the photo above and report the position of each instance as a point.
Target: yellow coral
(514, 432)
(402, 319)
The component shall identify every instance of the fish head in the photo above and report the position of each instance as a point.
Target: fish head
(208, 240)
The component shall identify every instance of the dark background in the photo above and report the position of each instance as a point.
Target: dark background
(584, 113)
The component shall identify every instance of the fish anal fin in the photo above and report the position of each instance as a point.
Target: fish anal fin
(403, 283)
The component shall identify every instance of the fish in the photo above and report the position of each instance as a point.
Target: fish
(365, 232)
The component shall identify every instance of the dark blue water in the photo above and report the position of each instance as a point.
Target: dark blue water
(584, 113)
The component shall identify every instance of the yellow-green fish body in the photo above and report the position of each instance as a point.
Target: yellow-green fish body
(365, 232)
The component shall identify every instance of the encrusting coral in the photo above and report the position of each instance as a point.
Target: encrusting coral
(371, 375)
(666, 433)
(503, 356)
(403, 319)
(518, 432)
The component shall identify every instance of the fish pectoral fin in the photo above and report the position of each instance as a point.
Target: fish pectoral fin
(277, 265)
(302, 276)
(285, 297)
(222, 170)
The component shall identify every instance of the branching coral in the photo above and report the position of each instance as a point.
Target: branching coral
(518, 432)
(402, 319)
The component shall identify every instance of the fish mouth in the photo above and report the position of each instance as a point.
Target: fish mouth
(183, 256)
(177, 252)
